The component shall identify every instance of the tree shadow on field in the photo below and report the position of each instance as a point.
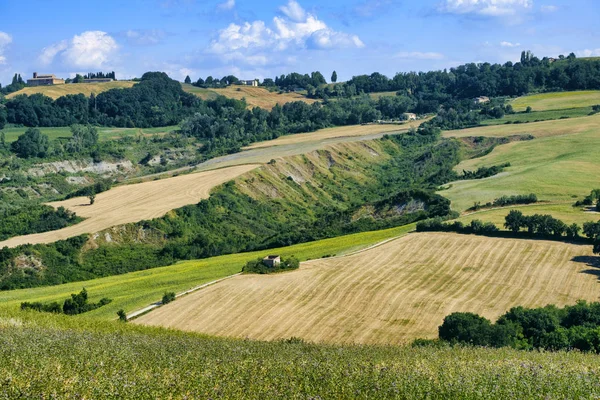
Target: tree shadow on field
(590, 261)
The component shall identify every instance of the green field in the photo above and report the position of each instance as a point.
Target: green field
(539, 116)
(62, 357)
(136, 290)
(557, 100)
(556, 168)
(564, 211)
(105, 133)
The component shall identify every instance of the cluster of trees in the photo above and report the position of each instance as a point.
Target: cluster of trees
(483, 172)
(484, 79)
(34, 218)
(593, 199)
(295, 81)
(225, 125)
(17, 84)
(33, 143)
(507, 201)
(156, 101)
(101, 75)
(258, 266)
(476, 227)
(77, 304)
(211, 82)
(540, 225)
(549, 328)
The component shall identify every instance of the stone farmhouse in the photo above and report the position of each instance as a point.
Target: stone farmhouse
(482, 100)
(272, 261)
(44, 80)
(253, 82)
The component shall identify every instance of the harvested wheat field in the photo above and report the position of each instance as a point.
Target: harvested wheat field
(254, 96)
(56, 91)
(336, 133)
(133, 203)
(390, 294)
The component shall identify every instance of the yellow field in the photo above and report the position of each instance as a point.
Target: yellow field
(73, 88)
(133, 203)
(255, 96)
(537, 129)
(335, 133)
(390, 294)
(557, 100)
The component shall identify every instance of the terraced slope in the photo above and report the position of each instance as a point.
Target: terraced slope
(389, 294)
(73, 88)
(133, 203)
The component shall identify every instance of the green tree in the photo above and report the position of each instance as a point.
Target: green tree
(122, 315)
(188, 80)
(514, 221)
(31, 144)
(466, 328)
(78, 79)
(334, 77)
(92, 198)
(84, 138)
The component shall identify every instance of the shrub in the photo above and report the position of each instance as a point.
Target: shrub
(168, 297)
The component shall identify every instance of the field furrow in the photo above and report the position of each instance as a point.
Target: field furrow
(389, 294)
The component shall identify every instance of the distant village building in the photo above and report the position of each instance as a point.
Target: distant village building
(410, 116)
(44, 80)
(98, 80)
(482, 100)
(253, 82)
(272, 261)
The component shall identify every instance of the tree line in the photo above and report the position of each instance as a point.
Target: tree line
(550, 328)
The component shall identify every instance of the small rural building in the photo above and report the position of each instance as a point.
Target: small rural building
(410, 116)
(44, 80)
(253, 82)
(482, 100)
(98, 80)
(272, 261)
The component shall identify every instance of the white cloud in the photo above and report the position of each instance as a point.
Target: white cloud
(509, 44)
(226, 5)
(417, 55)
(549, 9)
(48, 53)
(297, 28)
(91, 49)
(494, 8)
(294, 11)
(5, 40)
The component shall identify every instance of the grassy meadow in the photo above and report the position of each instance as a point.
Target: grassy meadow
(136, 290)
(54, 133)
(58, 357)
(536, 116)
(557, 100)
(557, 168)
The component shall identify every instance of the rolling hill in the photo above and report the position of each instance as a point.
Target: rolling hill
(73, 88)
(392, 293)
(254, 96)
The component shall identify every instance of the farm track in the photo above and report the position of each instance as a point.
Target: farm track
(389, 294)
(133, 203)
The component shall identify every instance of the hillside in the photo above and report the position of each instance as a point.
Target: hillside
(254, 96)
(559, 166)
(86, 89)
(392, 293)
(557, 100)
(132, 203)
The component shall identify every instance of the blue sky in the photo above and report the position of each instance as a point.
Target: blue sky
(258, 39)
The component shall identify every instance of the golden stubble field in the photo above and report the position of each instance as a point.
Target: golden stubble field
(56, 91)
(390, 294)
(133, 203)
